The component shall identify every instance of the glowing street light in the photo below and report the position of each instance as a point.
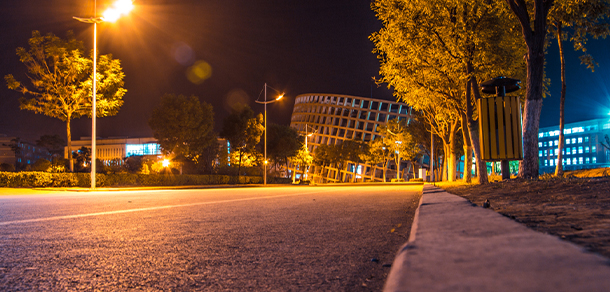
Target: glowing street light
(165, 162)
(119, 8)
(265, 102)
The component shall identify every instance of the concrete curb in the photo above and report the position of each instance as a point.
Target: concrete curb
(455, 246)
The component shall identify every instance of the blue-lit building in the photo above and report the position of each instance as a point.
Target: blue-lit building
(582, 149)
(114, 148)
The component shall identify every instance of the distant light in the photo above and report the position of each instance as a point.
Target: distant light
(165, 163)
(118, 9)
(266, 162)
(199, 72)
(280, 97)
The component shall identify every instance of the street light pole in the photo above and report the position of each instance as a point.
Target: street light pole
(265, 102)
(120, 7)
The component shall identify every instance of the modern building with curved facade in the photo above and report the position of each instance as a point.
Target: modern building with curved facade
(334, 118)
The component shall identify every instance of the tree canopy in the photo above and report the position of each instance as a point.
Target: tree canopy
(60, 78)
(183, 126)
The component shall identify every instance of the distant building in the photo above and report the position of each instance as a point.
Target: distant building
(582, 148)
(336, 118)
(114, 148)
(28, 154)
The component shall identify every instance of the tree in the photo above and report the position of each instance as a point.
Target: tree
(61, 82)
(431, 53)
(400, 143)
(243, 130)
(583, 18)
(41, 165)
(302, 159)
(534, 35)
(54, 143)
(183, 126)
(376, 153)
(283, 142)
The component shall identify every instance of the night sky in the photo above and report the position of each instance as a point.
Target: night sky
(297, 46)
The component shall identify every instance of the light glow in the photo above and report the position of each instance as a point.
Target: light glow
(280, 97)
(165, 163)
(118, 9)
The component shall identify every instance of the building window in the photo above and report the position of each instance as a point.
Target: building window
(551, 162)
(556, 142)
(574, 161)
(593, 149)
(539, 144)
(540, 135)
(587, 160)
(544, 153)
(539, 153)
(587, 149)
(556, 152)
(594, 159)
(567, 141)
(568, 162)
(579, 160)
(586, 139)
(568, 151)
(573, 140)
(546, 162)
(579, 149)
(545, 145)
(579, 139)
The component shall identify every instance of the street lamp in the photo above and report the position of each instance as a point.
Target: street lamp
(119, 8)
(265, 102)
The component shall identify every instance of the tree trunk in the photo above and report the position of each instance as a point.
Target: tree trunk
(444, 174)
(559, 164)
(467, 151)
(534, 36)
(70, 144)
(473, 127)
(452, 163)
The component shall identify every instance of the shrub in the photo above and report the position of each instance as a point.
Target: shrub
(7, 167)
(41, 165)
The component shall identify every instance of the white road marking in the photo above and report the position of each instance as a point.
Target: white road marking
(152, 208)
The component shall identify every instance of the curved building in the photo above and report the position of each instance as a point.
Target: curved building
(334, 118)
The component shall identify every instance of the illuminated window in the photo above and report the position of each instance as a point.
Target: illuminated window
(540, 153)
(545, 144)
(556, 152)
(544, 153)
(556, 142)
(143, 149)
(579, 160)
(593, 149)
(573, 140)
(587, 149)
(587, 160)
(540, 135)
(568, 162)
(586, 139)
(594, 159)
(568, 151)
(567, 131)
(546, 162)
(551, 162)
(539, 144)
(567, 141)
(579, 139)
(579, 149)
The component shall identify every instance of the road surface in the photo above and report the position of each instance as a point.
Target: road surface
(308, 238)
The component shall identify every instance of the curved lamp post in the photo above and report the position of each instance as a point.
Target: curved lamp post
(265, 102)
(119, 8)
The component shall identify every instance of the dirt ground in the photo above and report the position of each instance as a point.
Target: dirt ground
(574, 208)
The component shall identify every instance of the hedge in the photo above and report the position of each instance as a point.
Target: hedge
(45, 179)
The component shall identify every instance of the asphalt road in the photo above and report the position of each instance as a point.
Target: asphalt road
(309, 238)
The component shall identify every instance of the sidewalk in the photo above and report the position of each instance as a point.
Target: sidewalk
(455, 246)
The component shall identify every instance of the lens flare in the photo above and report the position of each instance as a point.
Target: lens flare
(199, 72)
